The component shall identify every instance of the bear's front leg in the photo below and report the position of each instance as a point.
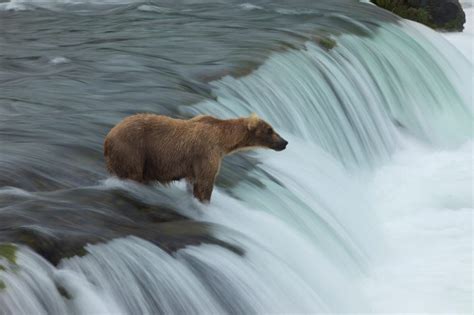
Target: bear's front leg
(204, 176)
(203, 191)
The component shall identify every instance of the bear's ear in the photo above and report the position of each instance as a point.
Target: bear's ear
(252, 121)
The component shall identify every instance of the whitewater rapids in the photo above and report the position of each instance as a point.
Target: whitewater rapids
(369, 210)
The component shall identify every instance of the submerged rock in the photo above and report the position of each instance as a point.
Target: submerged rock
(438, 14)
(8, 252)
(77, 217)
(327, 43)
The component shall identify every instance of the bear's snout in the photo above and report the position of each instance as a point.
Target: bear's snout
(281, 145)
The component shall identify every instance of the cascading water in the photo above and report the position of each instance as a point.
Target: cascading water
(368, 210)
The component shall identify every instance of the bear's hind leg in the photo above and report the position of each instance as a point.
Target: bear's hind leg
(125, 162)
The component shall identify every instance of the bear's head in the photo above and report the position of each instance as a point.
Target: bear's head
(263, 135)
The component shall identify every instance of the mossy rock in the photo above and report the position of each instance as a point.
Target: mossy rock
(437, 14)
(54, 249)
(8, 251)
(116, 214)
(2, 285)
(327, 43)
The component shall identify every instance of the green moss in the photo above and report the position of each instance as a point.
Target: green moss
(327, 43)
(2, 285)
(455, 25)
(8, 251)
(2, 268)
(399, 7)
(82, 252)
(420, 15)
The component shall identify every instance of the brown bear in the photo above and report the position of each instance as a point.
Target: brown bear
(148, 147)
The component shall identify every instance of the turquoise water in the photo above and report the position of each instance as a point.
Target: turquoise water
(368, 210)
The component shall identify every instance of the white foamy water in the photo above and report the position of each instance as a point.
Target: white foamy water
(464, 41)
(250, 6)
(59, 60)
(368, 210)
(424, 201)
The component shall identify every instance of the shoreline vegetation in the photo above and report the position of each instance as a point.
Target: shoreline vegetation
(445, 15)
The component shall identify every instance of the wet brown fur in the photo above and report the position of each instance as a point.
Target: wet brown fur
(148, 147)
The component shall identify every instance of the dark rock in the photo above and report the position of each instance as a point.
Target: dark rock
(448, 14)
(437, 14)
(72, 219)
(326, 42)
(63, 292)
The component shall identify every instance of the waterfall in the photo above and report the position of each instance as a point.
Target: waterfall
(349, 100)
(307, 227)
